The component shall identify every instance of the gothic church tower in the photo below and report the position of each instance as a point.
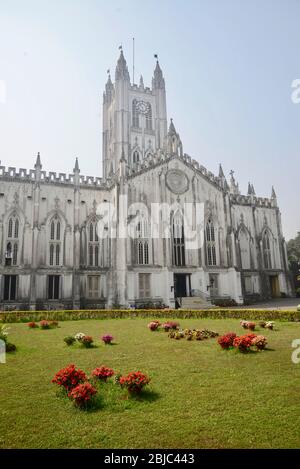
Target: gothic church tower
(134, 118)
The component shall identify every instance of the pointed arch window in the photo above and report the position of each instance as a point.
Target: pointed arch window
(55, 247)
(135, 115)
(149, 118)
(267, 250)
(178, 251)
(142, 242)
(11, 252)
(210, 243)
(135, 156)
(93, 245)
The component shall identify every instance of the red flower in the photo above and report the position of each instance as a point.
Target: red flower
(69, 377)
(244, 342)
(45, 324)
(32, 325)
(103, 372)
(134, 381)
(226, 340)
(82, 394)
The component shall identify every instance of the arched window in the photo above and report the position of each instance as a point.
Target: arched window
(11, 254)
(211, 244)
(135, 115)
(149, 118)
(178, 251)
(135, 156)
(55, 250)
(142, 243)
(244, 249)
(267, 250)
(93, 244)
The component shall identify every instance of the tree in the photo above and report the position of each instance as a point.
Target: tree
(293, 249)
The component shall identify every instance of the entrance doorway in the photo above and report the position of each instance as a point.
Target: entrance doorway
(182, 287)
(274, 286)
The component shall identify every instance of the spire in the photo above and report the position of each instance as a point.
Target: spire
(38, 162)
(158, 79)
(122, 69)
(141, 82)
(76, 167)
(273, 195)
(172, 130)
(109, 88)
(249, 189)
(252, 188)
(221, 172)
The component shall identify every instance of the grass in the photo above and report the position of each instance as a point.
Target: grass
(199, 397)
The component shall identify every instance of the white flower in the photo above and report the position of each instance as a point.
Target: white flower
(79, 336)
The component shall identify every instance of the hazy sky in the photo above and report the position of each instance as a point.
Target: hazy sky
(228, 66)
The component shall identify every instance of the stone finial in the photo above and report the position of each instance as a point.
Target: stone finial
(76, 167)
(172, 130)
(221, 172)
(158, 81)
(122, 69)
(38, 162)
(142, 83)
(273, 194)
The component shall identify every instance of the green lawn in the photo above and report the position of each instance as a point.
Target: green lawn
(200, 396)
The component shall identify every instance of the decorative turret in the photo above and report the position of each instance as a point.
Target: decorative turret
(174, 144)
(76, 171)
(273, 197)
(234, 187)
(221, 172)
(122, 69)
(38, 162)
(109, 89)
(142, 87)
(158, 81)
(38, 168)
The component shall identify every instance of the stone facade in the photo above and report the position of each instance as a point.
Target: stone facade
(52, 257)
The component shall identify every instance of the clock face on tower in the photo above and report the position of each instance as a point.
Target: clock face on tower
(142, 107)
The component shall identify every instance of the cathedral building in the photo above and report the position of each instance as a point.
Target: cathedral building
(51, 252)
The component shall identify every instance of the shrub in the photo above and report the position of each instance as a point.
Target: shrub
(10, 347)
(53, 323)
(32, 325)
(69, 377)
(87, 341)
(107, 339)
(248, 325)
(153, 325)
(82, 394)
(69, 340)
(259, 342)
(269, 325)
(134, 381)
(103, 372)
(226, 341)
(79, 336)
(45, 324)
(4, 332)
(262, 324)
(244, 342)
